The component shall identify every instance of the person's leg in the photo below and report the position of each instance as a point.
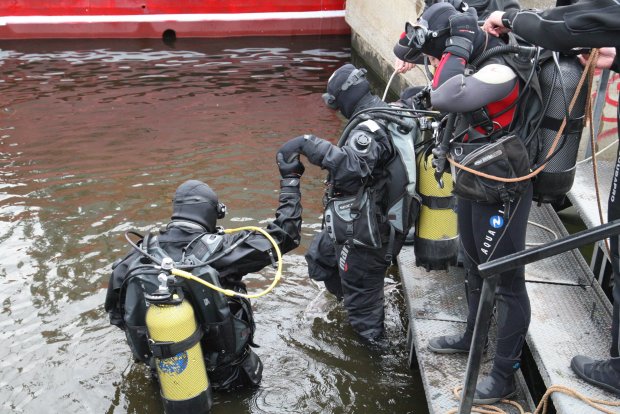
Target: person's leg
(362, 273)
(613, 213)
(449, 344)
(323, 263)
(606, 373)
(497, 237)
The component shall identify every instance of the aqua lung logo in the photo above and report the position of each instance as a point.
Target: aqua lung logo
(174, 365)
(345, 206)
(497, 222)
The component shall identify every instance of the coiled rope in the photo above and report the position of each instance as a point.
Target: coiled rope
(542, 406)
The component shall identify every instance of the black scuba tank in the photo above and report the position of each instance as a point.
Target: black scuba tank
(558, 88)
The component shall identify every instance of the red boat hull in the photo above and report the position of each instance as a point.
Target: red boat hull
(40, 19)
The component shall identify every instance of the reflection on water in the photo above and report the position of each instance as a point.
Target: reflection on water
(94, 138)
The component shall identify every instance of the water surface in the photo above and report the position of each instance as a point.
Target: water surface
(94, 138)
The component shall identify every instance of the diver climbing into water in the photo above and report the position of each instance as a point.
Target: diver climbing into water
(192, 241)
(370, 201)
(487, 103)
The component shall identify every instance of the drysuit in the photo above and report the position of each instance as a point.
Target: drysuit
(238, 254)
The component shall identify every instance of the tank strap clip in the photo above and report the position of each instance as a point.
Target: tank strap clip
(163, 350)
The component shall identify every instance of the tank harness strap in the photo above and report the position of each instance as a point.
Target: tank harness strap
(438, 203)
(480, 118)
(553, 124)
(163, 350)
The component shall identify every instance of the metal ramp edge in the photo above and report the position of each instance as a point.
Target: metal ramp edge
(437, 306)
(570, 316)
(583, 198)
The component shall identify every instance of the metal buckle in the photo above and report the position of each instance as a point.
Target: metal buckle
(354, 78)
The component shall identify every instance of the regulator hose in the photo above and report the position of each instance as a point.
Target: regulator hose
(526, 52)
(228, 292)
(178, 271)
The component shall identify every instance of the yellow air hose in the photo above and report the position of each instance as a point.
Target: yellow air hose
(228, 292)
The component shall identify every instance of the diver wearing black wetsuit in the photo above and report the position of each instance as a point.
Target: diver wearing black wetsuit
(591, 24)
(351, 271)
(195, 212)
(487, 231)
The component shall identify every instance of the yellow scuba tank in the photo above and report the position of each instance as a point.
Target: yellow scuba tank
(174, 339)
(436, 235)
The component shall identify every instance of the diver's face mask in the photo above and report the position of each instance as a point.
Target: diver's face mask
(354, 78)
(417, 36)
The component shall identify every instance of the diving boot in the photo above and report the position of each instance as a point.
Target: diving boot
(602, 373)
(452, 344)
(494, 387)
(500, 383)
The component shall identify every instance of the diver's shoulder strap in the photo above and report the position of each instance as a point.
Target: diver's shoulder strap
(206, 245)
(150, 244)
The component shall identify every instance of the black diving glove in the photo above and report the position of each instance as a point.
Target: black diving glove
(293, 147)
(290, 169)
(463, 29)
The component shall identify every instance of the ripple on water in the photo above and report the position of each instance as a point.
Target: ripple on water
(96, 136)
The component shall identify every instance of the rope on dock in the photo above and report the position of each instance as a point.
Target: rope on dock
(595, 403)
(542, 405)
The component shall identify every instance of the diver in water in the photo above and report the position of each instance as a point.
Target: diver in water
(367, 180)
(227, 331)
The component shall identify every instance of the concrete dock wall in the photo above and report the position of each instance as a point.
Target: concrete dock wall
(376, 25)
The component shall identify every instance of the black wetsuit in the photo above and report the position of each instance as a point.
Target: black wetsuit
(591, 24)
(486, 230)
(355, 273)
(251, 255)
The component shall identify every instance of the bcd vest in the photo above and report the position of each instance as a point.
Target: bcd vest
(227, 322)
(393, 185)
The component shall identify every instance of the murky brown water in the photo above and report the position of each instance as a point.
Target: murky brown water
(94, 138)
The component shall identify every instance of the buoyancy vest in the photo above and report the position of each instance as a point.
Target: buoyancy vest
(227, 322)
(402, 199)
(393, 183)
(547, 88)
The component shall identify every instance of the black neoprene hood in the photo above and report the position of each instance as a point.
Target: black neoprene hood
(197, 202)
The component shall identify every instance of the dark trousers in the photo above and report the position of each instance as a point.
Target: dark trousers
(485, 235)
(355, 274)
